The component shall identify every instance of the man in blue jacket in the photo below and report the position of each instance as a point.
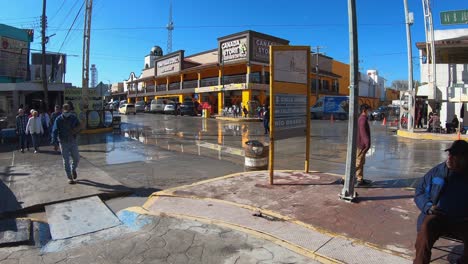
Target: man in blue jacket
(442, 198)
(66, 128)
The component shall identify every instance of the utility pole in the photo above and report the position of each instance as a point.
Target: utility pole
(317, 76)
(348, 193)
(86, 46)
(412, 96)
(44, 70)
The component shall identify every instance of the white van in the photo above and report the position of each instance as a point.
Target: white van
(157, 106)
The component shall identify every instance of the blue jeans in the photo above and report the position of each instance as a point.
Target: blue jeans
(23, 140)
(70, 149)
(36, 140)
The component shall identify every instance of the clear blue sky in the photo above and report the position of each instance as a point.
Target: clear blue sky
(124, 31)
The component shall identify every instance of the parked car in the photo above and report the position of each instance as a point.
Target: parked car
(140, 106)
(170, 108)
(187, 108)
(126, 109)
(385, 112)
(157, 106)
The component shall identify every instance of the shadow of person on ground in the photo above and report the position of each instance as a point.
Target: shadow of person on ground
(139, 191)
(8, 201)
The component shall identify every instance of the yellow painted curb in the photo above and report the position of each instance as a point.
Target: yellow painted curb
(429, 136)
(171, 193)
(262, 235)
(240, 119)
(96, 131)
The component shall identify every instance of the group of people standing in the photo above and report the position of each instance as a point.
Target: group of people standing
(35, 126)
(60, 129)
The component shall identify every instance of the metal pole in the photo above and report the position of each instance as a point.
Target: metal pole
(348, 193)
(44, 70)
(317, 75)
(410, 69)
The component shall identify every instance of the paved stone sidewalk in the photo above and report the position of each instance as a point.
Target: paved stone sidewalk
(166, 240)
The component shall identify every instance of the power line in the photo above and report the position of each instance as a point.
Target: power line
(58, 10)
(236, 26)
(74, 20)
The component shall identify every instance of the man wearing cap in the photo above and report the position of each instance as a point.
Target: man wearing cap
(363, 145)
(442, 198)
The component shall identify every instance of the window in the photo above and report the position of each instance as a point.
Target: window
(336, 86)
(325, 85)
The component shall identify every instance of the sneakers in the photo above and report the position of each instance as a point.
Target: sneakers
(363, 183)
(35, 151)
(71, 182)
(74, 174)
(22, 150)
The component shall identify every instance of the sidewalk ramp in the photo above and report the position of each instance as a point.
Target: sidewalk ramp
(321, 245)
(78, 217)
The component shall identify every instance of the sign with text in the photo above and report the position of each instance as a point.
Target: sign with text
(289, 91)
(167, 66)
(234, 50)
(290, 112)
(289, 98)
(454, 17)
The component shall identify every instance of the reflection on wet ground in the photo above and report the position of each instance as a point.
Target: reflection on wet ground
(392, 161)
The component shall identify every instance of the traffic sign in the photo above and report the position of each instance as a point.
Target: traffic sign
(454, 17)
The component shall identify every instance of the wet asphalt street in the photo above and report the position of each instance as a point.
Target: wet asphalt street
(158, 151)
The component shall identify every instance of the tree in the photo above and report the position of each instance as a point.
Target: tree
(400, 85)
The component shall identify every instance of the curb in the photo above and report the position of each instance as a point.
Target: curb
(239, 120)
(170, 193)
(429, 136)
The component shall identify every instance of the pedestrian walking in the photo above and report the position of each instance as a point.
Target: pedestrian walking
(34, 128)
(441, 197)
(57, 112)
(266, 120)
(363, 145)
(45, 120)
(65, 130)
(245, 111)
(21, 123)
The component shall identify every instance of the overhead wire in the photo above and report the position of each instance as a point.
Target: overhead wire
(73, 23)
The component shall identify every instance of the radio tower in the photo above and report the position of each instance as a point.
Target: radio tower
(94, 76)
(170, 28)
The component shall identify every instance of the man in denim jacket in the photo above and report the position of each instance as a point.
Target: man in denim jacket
(66, 128)
(442, 198)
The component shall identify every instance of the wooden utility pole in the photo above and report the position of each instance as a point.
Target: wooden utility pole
(86, 43)
(44, 70)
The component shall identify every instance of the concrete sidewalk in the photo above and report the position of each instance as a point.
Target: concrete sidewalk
(30, 181)
(303, 211)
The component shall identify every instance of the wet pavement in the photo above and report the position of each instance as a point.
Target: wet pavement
(157, 152)
(390, 157)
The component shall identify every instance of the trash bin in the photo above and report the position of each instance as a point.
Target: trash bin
(256, 155)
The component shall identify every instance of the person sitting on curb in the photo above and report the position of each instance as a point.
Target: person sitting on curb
(66, 128)
(441, 197)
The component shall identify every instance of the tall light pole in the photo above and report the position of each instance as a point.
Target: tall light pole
(409, 21)
(348, 193)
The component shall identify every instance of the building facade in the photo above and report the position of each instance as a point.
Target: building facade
(235, 73)
(451, 74)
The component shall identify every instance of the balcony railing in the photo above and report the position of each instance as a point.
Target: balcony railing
(174, 86)
(161, 87)
(209, 81)
(241, 78)
(190, 84)
(150, 88)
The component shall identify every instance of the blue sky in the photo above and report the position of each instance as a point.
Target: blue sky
(124, 31)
